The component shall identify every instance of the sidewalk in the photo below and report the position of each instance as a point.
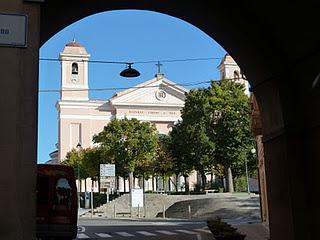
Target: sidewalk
(82, 211)
(256, 231)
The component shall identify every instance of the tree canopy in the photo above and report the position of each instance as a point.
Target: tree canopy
(75, 159)
(214, 132)
(231, 132)
(191, 141)
(128, 143)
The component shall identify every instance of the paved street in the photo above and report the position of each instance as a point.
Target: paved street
(108, 229)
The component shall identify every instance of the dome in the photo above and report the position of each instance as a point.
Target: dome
(74, 48)
(73, 44)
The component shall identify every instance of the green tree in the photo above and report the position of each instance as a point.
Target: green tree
(128, 143)
(74, 158)
(163, 164)
(182, 162)
(230, 128)
(91, 161)
(191, 140)
(214, 134)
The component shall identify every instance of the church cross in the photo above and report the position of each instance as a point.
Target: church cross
(159, 66)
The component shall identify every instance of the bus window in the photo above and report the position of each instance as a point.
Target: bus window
(63, 194)
(42, 190)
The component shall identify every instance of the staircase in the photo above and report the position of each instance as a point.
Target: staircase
(154, 206)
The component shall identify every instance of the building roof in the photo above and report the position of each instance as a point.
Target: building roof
(74, 49)
(158, 92)
(159, 78)
(73, 44)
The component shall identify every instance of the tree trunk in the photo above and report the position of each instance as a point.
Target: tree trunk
(117, 184)
(229, 179)
(186, 183)
(203, 179)
(221, 182)
(130, 181)
(143, 184)
(177, 182)
(152, 183)
(99, 184)
(85, 185)
(163, 184)
(157, 184)
(124, 183)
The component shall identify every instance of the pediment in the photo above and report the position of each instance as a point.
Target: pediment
(155, 92)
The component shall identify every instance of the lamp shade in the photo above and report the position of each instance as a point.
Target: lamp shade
(130, 72)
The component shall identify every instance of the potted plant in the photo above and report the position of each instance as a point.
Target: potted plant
(223, 231)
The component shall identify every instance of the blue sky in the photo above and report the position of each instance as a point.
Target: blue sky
(129, 36)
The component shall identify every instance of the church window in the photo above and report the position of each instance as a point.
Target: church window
(236, 75)
(160, 95)
(74, 68)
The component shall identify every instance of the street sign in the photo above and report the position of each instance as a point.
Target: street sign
(107, 182)
(136, 197)
(107, 170)
(13, 30)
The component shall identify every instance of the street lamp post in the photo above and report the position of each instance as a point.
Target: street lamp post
(253, 151)
(78, 172)
(248, 187)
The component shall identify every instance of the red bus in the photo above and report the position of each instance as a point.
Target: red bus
(57, 208)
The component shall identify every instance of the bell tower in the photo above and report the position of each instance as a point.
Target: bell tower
(229, 69)
(74, 72)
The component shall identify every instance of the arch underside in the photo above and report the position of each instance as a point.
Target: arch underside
(277, 48)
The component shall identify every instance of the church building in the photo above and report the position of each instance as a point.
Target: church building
(157, 100)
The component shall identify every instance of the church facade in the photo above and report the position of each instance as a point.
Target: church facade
(158, 101)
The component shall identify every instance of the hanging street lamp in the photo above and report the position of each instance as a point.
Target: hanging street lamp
(129, 72)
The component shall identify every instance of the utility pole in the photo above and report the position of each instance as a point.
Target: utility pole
(78, 172)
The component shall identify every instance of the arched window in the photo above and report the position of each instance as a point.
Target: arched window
(74, 68)
(236, 75)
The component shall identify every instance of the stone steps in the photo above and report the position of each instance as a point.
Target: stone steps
(176, 206)
(154, 205)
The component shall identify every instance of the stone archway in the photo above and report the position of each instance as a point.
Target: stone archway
(278, 53)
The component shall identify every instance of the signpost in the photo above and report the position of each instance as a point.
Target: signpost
(13, 30)
(107, 177)
(107, 170)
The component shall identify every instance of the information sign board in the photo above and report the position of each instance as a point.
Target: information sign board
(107, 170)
(137, 197)
(107, 182)
(13, 30)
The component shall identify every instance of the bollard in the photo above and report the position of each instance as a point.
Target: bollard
(189, 211)
(91, 202)
(164, 211)
(114, 211)
(138, 211)
(130, 211)
(105, 211)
